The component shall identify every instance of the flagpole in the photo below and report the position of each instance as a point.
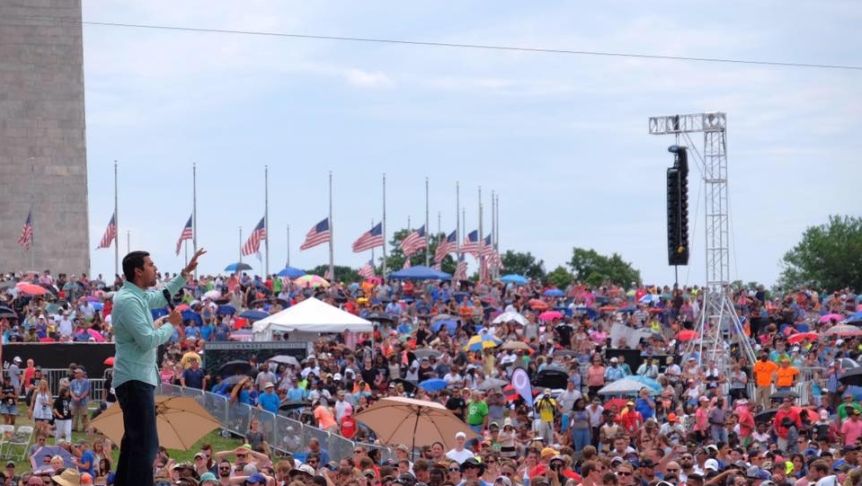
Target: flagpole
(427, 227)
(372, 249)
(493, 227)
(439, 223)
(481, 238)
(266, 213)
(116, 225)
(128, 241)
(30, 214)
(331, 233)
(186, 250)
(384, 228)
(240, 250)
(457, 219)
(195, 211)
(288, 246)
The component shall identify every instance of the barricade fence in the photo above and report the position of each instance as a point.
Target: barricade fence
(283, 434)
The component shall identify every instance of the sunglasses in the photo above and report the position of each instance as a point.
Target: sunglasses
(671, 470)
(224, 468)
(453, 469)
(623, 473)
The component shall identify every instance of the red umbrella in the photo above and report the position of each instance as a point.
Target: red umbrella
(31, 289)
(550, 315)
(799, 337)
(538, 304)
(687, 335)
(608, 308)
(109, 361)
(618, 402)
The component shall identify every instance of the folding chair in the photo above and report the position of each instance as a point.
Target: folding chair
(21, 438)
(6, 433)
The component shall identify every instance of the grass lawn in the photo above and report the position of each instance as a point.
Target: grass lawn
(218, 442)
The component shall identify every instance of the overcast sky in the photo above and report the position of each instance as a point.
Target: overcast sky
(561, 138)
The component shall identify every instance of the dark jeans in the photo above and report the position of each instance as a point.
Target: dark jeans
(140, 443)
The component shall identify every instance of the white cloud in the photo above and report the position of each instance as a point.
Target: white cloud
(365, 79)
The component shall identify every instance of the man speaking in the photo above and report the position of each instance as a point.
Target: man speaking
(137, 339)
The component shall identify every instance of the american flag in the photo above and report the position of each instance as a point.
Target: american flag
(367, 270)
(414, 242)
(110, 233)
(327, 275)
(185, 235)
(471, 244)
(370, 239)
(317, 235)
(252, 244)
(27, 232)
(487, 247)
(460, 269)
(407, 264)
(446, 246)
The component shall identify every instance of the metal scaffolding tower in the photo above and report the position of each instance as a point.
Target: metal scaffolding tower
(719, 326)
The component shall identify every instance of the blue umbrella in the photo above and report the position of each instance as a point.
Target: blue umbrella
(237, 267)
(160, 312)
(857, 317)
(98, 305)
(460, 296)
(291, 273)
(433, 384)
(650, 298)
(254, 315)
(420, 272)
(514, 279)
(450, 326)
(226, 310)
(192, 316)
(647, 382)
(554, 293)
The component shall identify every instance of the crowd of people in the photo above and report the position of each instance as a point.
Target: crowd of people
(700, 418)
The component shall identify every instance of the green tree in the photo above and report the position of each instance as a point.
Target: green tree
(342, 273)
(523, 264)
(593, 268)
(560, 277)
(828, 257)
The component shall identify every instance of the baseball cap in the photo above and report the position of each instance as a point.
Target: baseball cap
(710, 465)
(257, 478)
(548, 452)
(304, 468)
(460, 435)
(10, 464)
(208, 476)
(671, 417)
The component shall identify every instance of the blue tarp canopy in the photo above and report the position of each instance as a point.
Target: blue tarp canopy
(420, 272)
(291, 273)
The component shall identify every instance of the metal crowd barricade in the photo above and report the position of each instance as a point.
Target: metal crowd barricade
(281, 433)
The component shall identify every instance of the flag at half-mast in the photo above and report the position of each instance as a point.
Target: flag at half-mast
(372, 238)
(185, 235)
(414, 242)
(258, 234)
(471, 244)
(110, 233)
(446, 246)
(317, 235)
(26, 238)
(367, 270)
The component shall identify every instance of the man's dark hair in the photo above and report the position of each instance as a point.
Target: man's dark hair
(132, 261)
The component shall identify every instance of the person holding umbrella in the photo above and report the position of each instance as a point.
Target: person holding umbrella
(137, 338)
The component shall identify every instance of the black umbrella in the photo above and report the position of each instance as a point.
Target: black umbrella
(765, 416)
(851, 377)
(408, 386)
(781, 395)
(551, 378)
(380, 317)
(237, 367)
(293, 404)
(233, 380)
(7, 313)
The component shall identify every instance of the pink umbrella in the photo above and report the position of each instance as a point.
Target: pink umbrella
(95, 335)
(831, 318)
(550, 315)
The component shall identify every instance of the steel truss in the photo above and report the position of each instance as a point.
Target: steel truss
(719, 326)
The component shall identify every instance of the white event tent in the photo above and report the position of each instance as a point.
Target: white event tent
(308, 318)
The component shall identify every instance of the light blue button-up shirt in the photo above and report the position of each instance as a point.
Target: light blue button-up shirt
(135, 336)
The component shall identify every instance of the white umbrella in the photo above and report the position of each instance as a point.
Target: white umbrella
(625, 386)
(491, 384)
(285, 359)
(510, 316)
(213, 294)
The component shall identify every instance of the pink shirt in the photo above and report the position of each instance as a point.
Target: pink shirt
(596, 376)
(851, 430)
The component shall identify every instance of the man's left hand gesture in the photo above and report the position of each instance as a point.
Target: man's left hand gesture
(193, 264)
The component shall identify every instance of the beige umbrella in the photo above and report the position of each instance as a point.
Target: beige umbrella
(516, 345)
(398, 420)
(180, 421)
